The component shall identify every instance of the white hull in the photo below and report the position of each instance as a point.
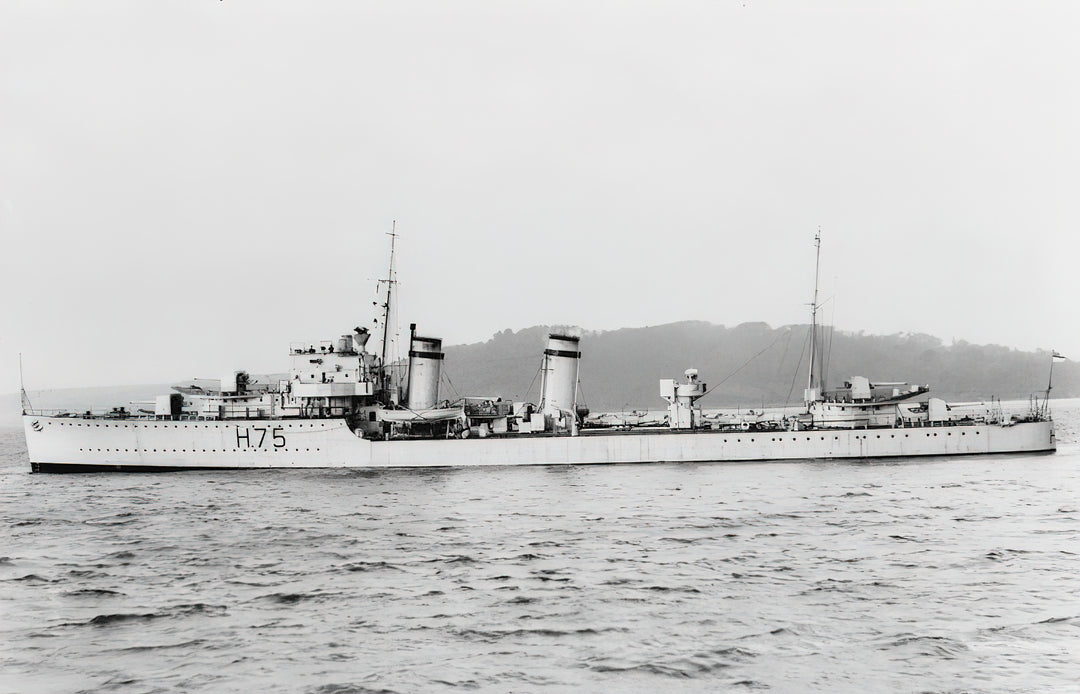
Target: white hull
(73, 444)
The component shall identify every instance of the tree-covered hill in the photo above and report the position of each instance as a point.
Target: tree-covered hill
(748, 364)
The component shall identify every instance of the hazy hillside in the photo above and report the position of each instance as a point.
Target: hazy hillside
(620, 368)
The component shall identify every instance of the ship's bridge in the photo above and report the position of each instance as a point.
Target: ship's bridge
(330, 368)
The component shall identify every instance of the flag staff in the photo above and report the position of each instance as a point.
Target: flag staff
(26, 405)
(1050, 381)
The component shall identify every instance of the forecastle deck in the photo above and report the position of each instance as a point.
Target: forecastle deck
(57, 444)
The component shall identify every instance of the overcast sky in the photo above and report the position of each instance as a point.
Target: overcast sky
(187, 186)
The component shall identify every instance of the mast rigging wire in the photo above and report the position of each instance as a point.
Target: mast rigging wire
(744, 364)
(449, 382)
(529, 389)
(795, 376)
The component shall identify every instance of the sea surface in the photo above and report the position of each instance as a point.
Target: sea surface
(927, 575)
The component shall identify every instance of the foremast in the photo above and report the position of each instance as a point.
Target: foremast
(387, 393)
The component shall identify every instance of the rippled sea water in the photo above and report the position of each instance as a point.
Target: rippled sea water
(933, 575)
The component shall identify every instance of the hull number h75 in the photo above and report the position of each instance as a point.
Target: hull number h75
(256, 437)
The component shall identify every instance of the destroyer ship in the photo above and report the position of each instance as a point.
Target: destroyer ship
(343, 406)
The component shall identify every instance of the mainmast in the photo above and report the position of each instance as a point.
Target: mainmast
(810, 394)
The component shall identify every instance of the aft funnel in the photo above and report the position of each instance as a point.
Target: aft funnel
(425, 362)
(560, 374)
